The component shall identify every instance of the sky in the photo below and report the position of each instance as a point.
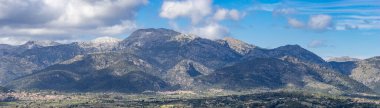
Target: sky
(329, 28)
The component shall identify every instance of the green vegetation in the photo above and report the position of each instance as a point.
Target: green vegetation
(292, 99)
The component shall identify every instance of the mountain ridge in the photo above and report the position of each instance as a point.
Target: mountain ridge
(168, 60)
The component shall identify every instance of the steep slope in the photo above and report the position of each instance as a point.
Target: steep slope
(166, 48)
(239, 46)
(259, 72)
(161, 59)
(367, 72)
(364, 71)
(276, 73)
(173, 57)
(6, 49)
(344, 67)
(95, 72)
(331, 76)
(47, 56)
(185, 72)
(35, 55)
(296, 62)
(6, 46)
(172, 51)
(287, 50)
(13, 67)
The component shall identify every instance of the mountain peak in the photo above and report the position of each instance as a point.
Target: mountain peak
(295, 46)
(40, 43)
(100, 44)
(105, 39)
(238, 45)
(151, 37)
(153, 33)
(155, 30)
(299, 52)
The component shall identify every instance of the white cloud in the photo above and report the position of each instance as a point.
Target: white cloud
(90, 13)
(320, 22)
(211, 31)
(353, 24)
(317, 23)
(39, 31)
(196, 10)
(67, 12)
(284, 11)
(204, 16)
(4, 31)
(222, 14)
(295, 23)
(125, 26)
(24, 12)
(11, 41)
(66, 19)
(235, 14)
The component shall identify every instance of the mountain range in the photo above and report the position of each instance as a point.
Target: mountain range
(163, 59)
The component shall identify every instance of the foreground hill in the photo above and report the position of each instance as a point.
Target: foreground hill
(18, 61)
(162, 59)
(365, 71)
(95, 72)
(279, 68)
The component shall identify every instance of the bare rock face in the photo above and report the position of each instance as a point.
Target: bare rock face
(185, 72)
(237, 45)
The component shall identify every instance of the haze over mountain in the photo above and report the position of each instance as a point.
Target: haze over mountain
(163, 59)
(342, 59)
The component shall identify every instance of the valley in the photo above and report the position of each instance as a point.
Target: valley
(211, 98)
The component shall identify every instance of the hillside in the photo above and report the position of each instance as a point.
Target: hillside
(163, 59)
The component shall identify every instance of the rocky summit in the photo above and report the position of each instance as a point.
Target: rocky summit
(166, 60)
